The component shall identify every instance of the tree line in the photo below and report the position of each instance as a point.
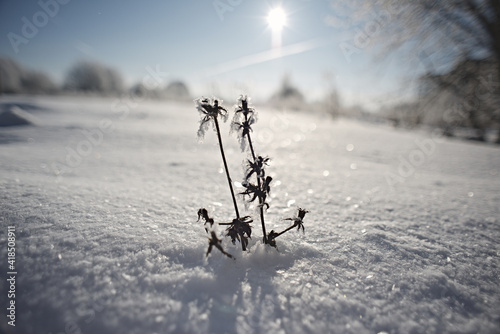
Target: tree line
(84, 77)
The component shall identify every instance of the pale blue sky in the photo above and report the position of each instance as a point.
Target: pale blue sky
(189, 40)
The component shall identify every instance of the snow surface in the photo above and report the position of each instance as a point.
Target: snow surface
(108, 242)
(15, 116)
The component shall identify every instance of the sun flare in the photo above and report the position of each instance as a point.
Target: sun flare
(276, 18)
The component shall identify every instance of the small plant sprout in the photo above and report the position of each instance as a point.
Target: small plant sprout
(239, 229)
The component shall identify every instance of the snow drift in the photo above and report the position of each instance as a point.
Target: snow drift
(15, 116)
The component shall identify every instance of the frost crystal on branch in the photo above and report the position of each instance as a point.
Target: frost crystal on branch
(298, 221)
(244, 117)
(209, 109)
(258, 191)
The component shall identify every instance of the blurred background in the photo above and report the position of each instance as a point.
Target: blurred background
(420, 63)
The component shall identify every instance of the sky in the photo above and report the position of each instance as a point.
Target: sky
(216, 47)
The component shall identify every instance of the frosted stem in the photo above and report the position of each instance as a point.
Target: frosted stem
(225, 167)
(261, 201)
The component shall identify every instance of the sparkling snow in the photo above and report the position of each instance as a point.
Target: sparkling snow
(402, 236)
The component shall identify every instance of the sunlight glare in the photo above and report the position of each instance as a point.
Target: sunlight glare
(276, 19)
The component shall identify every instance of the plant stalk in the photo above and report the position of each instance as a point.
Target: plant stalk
(226, 168)
(261, 202)
(286, 230)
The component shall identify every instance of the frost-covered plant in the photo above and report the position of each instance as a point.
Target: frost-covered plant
(210, 111)
(239, 229)
(244, 117)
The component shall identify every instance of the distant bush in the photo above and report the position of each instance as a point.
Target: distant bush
(141, 91)
(288, 96)
(92, 77)
(177, 90)
(404, 114)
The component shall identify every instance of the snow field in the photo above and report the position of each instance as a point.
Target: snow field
(112, 244)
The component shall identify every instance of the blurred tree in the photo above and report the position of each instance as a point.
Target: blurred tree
(14, 79)
(35, 82)
(10, 76)
(457, 42)
(91, 77)
(140, 90)
(177, 90)
(466, 96)
(332, 98)
(288, 95)
(441, 32)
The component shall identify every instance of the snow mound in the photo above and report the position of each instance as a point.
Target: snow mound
(16, 116)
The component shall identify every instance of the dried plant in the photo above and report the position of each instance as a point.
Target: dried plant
(244, 118)
(213, 241)
(297, 222)
(239, 229)
(210, 110)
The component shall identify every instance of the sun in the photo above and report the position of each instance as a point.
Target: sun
(276, 19)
